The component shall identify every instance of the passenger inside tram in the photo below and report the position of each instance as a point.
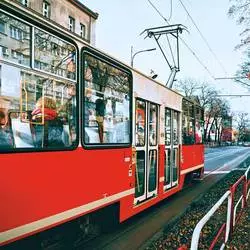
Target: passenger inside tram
(49, 133)
(5, 136)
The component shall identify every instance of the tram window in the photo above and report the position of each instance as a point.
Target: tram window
(167, 126)
(153, 125)
(167, 162)
(140, 174)
(199, 125)
(39, 114)
(54, 55)
(140, 122)
(175, 127)
(107, 103)
(188, 123)
(14, 40)
(152, 170)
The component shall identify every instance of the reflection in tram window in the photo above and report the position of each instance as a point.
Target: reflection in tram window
(175, 165)
(140, 122)
(54, 55)
(199, 125)
(140, 174)
(153, 125)
(188, 122)
(152, 170)
(107, 103)
(175, 128)
(167, 167)
(14, 40)
(32, 121)
(167, 126)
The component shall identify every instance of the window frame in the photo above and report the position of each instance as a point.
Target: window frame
(25, 3)
(46, 9)
(32, 70)
(167, 109)
(111, 62)
(191, 117)
(4, 27)
(62, 39)
(71, 23)
(82, 30)
(201, 122)
(145, 123)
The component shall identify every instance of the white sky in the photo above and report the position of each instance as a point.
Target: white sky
(120, 23)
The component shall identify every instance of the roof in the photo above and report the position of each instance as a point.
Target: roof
(84, 8)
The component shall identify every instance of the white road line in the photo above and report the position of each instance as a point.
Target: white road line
(233, 163)
(223, 154)
(217, 172)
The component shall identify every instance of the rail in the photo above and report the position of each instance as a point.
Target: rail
(204, 220)
(248, 182)
(232, 216)
(242, 199)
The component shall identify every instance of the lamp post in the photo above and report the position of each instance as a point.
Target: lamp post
(140, 51)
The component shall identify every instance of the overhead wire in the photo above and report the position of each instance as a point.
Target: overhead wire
(203, 37)
(183, 41)
(171, 10)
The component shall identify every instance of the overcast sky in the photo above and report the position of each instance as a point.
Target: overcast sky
(120, 23)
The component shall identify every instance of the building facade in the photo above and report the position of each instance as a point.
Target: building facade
(70, 14)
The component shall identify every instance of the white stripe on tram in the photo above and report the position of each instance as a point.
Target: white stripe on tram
(36, 225)
(191, 169)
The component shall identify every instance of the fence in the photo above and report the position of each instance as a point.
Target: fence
(232, 215)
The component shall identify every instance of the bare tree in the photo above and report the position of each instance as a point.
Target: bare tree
(206, 95)
(188, 87)
(243, 126)
(240, 10)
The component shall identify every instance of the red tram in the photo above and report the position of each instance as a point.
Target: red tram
(81, 131)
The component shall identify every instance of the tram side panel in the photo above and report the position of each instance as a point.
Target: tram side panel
(37, 194)
(149, 91)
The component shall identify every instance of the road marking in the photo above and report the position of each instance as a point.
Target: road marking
(217, 172)
(223, 154)
(233, 163)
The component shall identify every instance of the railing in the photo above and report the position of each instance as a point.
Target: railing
(232, 216)
(204, 220)
(242, 199)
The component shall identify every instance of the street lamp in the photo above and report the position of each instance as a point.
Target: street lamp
(140, 51)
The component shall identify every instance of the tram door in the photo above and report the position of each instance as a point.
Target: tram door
(171, 164)
(146, 140)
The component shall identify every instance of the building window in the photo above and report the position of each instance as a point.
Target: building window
(71, 24)
(83, 30)
(16, 33)
(25, 2)
(46, 9)
(2, 27)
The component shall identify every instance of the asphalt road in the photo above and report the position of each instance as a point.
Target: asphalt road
(218, 159)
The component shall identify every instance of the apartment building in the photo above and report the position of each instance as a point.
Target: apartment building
(71, 14)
